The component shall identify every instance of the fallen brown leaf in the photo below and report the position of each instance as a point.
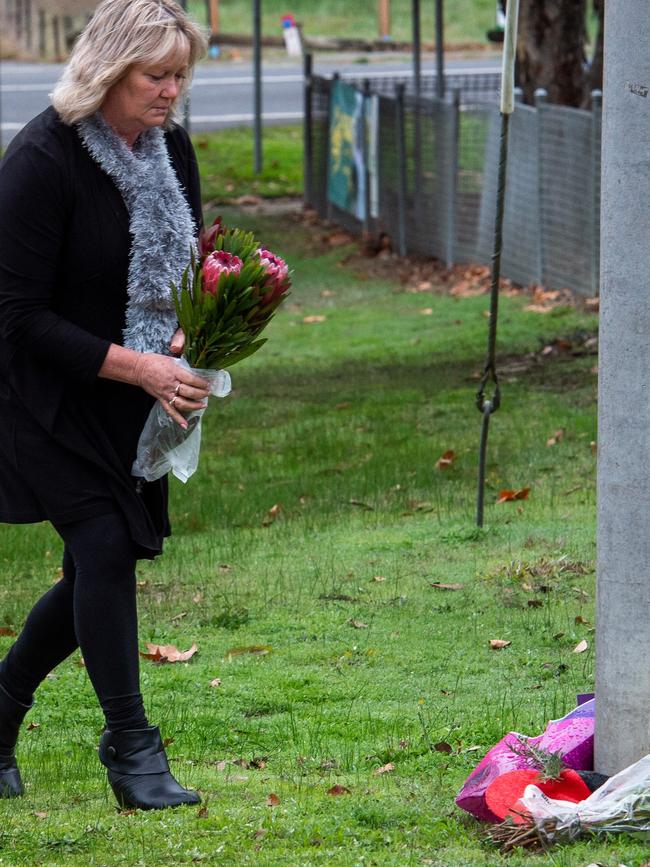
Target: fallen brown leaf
(271, 515)
(442, 747)
(273, 800)
(499, 643)
(167, 653)
(379, 578)
(313, 320)
(357, 624)
(202, 812)
(255, 649)
(446, 460)
(339, 790)
(215, 682)
(33, 725)
(362, 505)
(7, 630)
(580, 647)
(261, 832)
(337, 239)
(557, 437)
(385, 769)
(248, 200)
(507, 495)
(427, 311)
(41, 814)
(437, 585)
(581, 620)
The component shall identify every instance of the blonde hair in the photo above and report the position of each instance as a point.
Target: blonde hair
(120, 34)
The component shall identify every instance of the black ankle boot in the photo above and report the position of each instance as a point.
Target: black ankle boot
(138, 770)
(12, 713)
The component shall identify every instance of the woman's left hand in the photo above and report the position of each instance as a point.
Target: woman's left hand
(177, 344)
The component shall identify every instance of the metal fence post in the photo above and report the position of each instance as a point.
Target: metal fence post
(401, 169)
(366, 154)
(454, 140)
(307, 130)
(596, 128)
(541, 97)
(440, 51)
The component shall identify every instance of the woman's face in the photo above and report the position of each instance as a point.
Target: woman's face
(143, 98)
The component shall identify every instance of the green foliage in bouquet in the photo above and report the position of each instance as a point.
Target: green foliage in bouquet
(227, 296)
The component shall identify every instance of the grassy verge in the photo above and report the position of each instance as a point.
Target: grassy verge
(465, 20)
(338, 423)
(227, 163)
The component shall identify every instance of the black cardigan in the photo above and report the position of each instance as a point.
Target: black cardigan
(64, 256)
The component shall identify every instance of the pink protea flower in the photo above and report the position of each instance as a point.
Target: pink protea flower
(215, 265)
(277, 273)
(208, 236)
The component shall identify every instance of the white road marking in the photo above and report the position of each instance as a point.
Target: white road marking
(245, 118)
(234, 81)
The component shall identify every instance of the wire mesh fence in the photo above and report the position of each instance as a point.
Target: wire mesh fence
(436, 173)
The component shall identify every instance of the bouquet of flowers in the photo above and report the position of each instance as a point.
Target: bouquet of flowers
(228, 294)
(619, 806)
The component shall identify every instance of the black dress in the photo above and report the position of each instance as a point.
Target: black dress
(67, 438)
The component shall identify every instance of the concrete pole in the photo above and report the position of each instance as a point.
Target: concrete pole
(623, 596)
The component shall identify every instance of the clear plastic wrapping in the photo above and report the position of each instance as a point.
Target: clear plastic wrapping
(621, 805)
(164, 446)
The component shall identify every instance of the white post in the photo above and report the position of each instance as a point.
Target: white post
(623, 597)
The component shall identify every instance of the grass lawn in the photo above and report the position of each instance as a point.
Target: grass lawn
(227, 163)
(465, 20)
(314, 529)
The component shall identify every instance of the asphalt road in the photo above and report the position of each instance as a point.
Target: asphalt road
(221, 95)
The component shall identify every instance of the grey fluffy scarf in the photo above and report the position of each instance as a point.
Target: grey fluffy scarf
(161, 226)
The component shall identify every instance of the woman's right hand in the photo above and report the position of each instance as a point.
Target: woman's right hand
(178, 390)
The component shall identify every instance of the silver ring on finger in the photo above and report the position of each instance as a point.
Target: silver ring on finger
(172, 401)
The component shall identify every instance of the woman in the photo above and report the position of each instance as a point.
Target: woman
(99, 206)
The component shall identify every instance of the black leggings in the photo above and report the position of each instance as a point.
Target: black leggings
(93, 607)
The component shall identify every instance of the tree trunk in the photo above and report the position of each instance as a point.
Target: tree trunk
(551, 49)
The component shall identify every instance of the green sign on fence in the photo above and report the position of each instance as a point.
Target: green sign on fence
(346, 177)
